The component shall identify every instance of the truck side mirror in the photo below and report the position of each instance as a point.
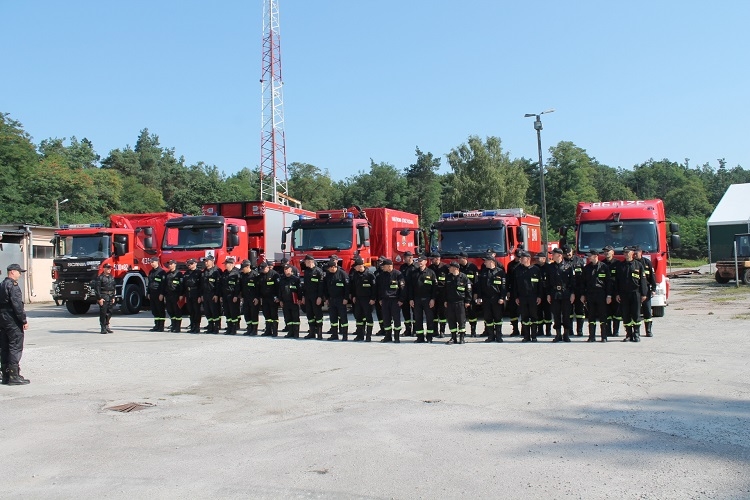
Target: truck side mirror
(283, 246)
(148, 243)
(674, 241)
(120, 249)
(520, 236)
(233, 228)
(674, 227)
(365, 236)
(234, 240)
(148, 231)
(404, 232)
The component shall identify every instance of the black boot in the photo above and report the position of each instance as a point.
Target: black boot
(628, 333)
(312, 327)
(344, 334)
(515, 332)
(490, 330)
(334, 333)
(579, 327)
(407, 330)
(603, 333)
(649, 333)
(548, 330)
(636, 335)
(462, 337)
(396, 336)
(441, 330)
(368, 333)
(160, 325)
(360, 331)
(566, 336)
(453, 339)
(592, 332)
(429, 337)
(268, 330)
(525, 334)
(387, 337)
(289, 329)
(230, 329)
(103, 329)
(275, 329)
(5, 374)
(420, 339)
(615, 328)
(14, 376)
(473, 329)
(177, 326)
(558, 336)
(499, 333)
(155, 327)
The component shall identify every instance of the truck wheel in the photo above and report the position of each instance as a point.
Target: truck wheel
(132, 300)
(720, 278)
(77, 307)
(657, 312)
(746, 277)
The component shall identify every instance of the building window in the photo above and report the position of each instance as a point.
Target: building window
(42, 252)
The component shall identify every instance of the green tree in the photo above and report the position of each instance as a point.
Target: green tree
(485, 177)
(313, 186)
(382, 186)
(569, 179)
(425, 188)
(18, 157)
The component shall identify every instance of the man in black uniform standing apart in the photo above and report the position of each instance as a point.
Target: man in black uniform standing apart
(156, 287)
(313, 287)
(249, 286)
(230, 295)
(631, 288)
(441, 272)
(651, 278)
(363, 293)
(192, 289)
(528, 295)
(391, 295)
(105, 297)
(560, 294)
(211, 288)
(336, 293)
(596, 288)
(422, 294)
(173, 293)
(490, 292)
(472, 272)
(268, 289)
(457, 300)
(12, 325)
(407, 269)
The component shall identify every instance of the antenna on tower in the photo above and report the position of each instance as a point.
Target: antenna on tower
(273, 176)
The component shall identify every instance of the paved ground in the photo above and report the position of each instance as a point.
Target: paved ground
(241, 417)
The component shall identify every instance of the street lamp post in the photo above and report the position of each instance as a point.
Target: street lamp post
(538, 128)
(57, 210)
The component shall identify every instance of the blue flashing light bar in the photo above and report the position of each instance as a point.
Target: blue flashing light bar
(81, 226)
(499, 212)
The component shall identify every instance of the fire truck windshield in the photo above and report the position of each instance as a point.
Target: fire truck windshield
(91, 245)
(322, 238)
(597, 235)
(193, 237)
(476, 241)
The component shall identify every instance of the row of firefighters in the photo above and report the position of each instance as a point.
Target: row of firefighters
(541, 296)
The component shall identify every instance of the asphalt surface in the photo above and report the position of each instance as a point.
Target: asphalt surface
(252, 417)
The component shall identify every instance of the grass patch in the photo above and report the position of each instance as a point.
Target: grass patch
(687, 263)
(741, 316)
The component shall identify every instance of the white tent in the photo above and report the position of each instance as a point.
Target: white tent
(731, 216)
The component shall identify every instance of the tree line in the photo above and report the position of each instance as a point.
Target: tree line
(150, 177)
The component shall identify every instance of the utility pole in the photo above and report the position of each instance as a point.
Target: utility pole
(538, 128)
(57, 211)
(273, 175)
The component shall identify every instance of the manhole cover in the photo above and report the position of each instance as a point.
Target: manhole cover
(128, 407)
(431, 401)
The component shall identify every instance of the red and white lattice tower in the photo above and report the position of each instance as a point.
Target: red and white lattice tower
(273, 176)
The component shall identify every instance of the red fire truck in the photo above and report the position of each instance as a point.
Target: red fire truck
(626, 223)
(354, 232)
(128, 244)
(478, 231)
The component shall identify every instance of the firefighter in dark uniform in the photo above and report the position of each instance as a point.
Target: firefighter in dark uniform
(156, 289)
(490, 292)
(545, 308)
(192, 290)
(363, 294)
(422, 294)
(596, 287)
(105, 297)
(295, 271)
(560, 294)
(406, 270)
(249, 287)
(442, 272)
(482, 268)
(457, 299)
(631, 289)
(313, 288)
(472, 272)
(268, 290)
(231, 291)
(579, 310)
(378, 308)
(648, 315)
(336, 293)
(173, 293)
(211, 288)
(289, 289)
(391, 291)
(12, 325)
(614, 315)
(528, 292)
(511, 307)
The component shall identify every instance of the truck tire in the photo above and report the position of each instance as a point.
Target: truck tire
(720, 278)
(132, 300)
(658, 311)
(77, 307)
(746, 276)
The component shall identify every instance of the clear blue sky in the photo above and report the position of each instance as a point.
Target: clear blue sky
(375, 79)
